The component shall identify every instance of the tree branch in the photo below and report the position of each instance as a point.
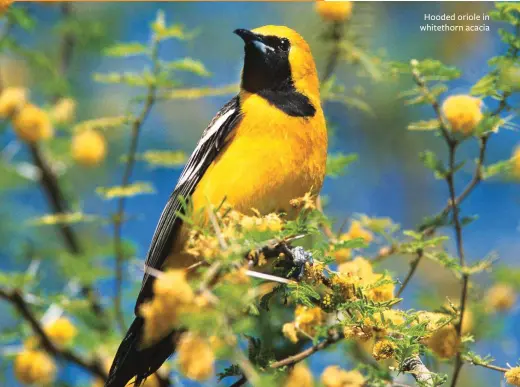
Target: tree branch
(16, 299)
(127, 174)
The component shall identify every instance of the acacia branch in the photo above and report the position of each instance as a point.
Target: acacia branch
(127, 174)
(16, 299)
(414, 366)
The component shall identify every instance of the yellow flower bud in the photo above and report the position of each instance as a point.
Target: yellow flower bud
(383, 349)
(289, 331)
(32, 367)
(500, 297)
(89, 148)
(32, 124)
(513, 376)
(334, 10)
(300, 376)
(196, 358)
(463, 112)
(333, 376)
(12, 99)
(61, 331)
(63, 111)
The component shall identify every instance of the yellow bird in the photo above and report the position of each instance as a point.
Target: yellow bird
(266, 146)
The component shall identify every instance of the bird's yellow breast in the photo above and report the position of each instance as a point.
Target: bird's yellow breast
(270, 159)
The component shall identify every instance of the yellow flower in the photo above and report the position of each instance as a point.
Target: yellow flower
(500, 297)
(173, 285)
(63, 111)
(513, 376)
(357, 231)
(333, 376)
(346, 284)
(32, 124)
(32, 367)
(11, 99)
(4, 6)
(196, 359)
(359, 267)
(444, 342)
(61, 331)
(463, 112)
(289, 331)
(172, 295)
(383, 349)
(360, 333)
(300, 376)
(334, 10)
(381, 293)
(307, 319)
(88, 147)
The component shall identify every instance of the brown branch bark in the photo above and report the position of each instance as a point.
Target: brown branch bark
(17, 300)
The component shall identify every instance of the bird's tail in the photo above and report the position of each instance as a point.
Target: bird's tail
(132, 361)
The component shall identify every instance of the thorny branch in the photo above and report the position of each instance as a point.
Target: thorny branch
(127, 174)
(17, 300)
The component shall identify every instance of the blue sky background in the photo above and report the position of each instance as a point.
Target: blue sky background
(387, 180)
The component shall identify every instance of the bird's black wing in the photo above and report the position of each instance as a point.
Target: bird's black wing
(208, 147)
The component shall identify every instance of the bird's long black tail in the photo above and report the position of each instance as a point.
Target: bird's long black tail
(132, 361)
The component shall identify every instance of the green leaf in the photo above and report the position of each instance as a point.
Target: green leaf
(126, 49)
(432, 124)
(430, 160)
(130, 190)
(66, 218)
(485, 85)
(168, 159)
(189, 65)
(338, 163)
(20, 16)
(499, 168)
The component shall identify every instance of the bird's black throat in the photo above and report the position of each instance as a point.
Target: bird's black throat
(267, 72)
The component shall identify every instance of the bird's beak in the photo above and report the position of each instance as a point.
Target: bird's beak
(250, 38)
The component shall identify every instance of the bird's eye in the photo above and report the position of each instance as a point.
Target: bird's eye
(285, 44)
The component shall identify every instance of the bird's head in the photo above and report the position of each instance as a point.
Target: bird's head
(277, 57)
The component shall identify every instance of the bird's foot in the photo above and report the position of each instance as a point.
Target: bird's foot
(299, 258)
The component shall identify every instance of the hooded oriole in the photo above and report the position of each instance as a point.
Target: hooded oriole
(268, 145)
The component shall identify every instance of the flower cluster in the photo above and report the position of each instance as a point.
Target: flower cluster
(355, 231)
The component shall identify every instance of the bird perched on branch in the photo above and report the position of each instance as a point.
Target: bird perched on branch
(266, 146)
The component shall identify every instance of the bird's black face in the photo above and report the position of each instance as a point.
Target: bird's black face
(266, 62)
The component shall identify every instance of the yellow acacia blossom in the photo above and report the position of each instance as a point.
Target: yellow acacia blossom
(314, 272)
(513, 376)
(269, 222)
(305, 320)
(31, 367)
(63, 112)
(32, 124)
(306, 202)
(88, 147)
(383, 349)
(334, 10)
(442, 338)
(500, 297)
(196, 358)
(355, 231)
(289, 331)
(12, 99)
(360, 270)
(463, 112)
(172, 295)
(333, 376)
(346, 284)
(299, 376)
(359, 333)
(61, 331)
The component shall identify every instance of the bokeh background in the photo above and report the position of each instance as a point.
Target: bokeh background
(387, 180)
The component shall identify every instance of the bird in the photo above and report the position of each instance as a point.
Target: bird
(265, 147)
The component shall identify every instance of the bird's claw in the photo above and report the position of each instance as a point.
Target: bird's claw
(300, 257)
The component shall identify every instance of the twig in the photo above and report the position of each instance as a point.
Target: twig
(337, 33)
(16, 299)
(288, 361)
(127, 174)
(413, 267)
